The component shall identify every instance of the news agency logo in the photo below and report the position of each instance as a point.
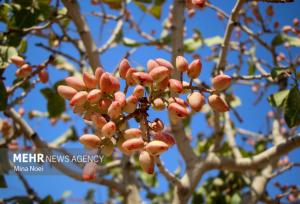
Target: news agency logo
(42, 158)
(28, 157)
(42, 161)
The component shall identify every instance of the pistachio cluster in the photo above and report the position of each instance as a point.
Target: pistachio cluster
(98, 99)
(25, 69)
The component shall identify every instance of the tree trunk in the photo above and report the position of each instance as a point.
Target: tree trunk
(130, 181)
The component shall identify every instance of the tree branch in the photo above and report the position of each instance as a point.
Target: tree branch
(58, 53)
(31, 193)
(260, 181)
(226, 40)
(256, 162)
(230, 137)
(29, 133)
(168, 175)
(84, 32)
(115, 32)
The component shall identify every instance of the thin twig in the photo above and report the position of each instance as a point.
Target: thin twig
(115, 32)
(284, 169)
(58, 52)
(84, 32)
(226, 40)
(31, 193)
(168, 175)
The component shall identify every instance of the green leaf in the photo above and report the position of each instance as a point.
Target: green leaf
(90, 195)
(113, 4)
(282, 38)
(4, 12)
(23, 200)
(149, 179)
(24, 86)
(141, 6)
(204, 145)
(130, 42)
(156, 9)
(251, 68)
(292, 108)
(3, 96)
(260, 146)
(26, 14)
(278, 99)
(55, 103)
(22, 46)
(2, 182)
(278, 40)
(14, 39)
(60, 82)
(234, 101)
(68, 135)
(277, 71)
(197, 198)
(64, 22)
(191, 45)
(6, 53)
(47, 200)
(216, 40)
(218, 182)
(235, 199)
(61, 62)
(165, 39)
(187, 121)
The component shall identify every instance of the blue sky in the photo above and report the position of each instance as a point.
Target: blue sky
(204, 20)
